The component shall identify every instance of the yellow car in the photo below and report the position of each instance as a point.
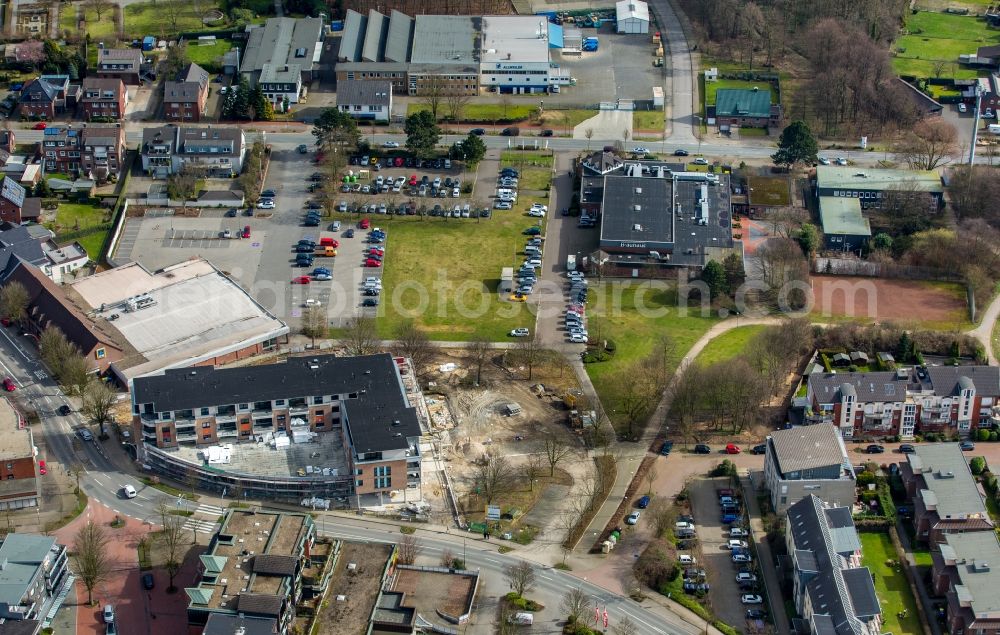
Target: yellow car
(518, 297)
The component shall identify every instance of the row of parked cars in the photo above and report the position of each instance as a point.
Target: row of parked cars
(506, 192)
(372, 161)
(575, 319)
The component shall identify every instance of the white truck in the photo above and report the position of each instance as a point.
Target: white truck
(571, 263)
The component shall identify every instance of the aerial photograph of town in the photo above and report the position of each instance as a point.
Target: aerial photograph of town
(499, 317)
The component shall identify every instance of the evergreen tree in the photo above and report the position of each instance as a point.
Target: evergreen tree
(714, 276)
(796, 145)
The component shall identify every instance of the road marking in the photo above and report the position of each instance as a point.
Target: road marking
(199, 526)
(210, 510)
(98, 481)
(492, 560)
(18, 348)
(40, 375)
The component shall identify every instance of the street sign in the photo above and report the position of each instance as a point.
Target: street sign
(493, 512)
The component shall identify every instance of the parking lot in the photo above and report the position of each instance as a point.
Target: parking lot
(716, 557)
(621, 68)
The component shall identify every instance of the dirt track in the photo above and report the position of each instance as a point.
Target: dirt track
(882, 299)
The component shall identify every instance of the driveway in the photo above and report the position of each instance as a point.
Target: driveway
(679, 74)
(606, 124)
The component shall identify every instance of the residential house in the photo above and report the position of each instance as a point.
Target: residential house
(361, 399)
(35, 571)
(366, 100)
(871, 186)
(808, 460)
(103, 98)
(96, 151)
(882, 404)
(216, 152)
(47, 96)
(744, 108)
(18, 478)
(965, 571)
(20, 243)
(282, 56)
(253, 569)
(832, 592)
(946, 498)
(185, 97)
(15, 204)
(229, 624)
(123, 64)
(49, 306)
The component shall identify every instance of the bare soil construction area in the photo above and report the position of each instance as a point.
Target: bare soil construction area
(882, 299)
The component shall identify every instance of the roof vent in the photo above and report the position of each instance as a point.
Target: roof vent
(755, 89)
(638, 190)
(637, 208)
(637, 227)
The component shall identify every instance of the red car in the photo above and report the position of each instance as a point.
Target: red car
(376, 251)
(413, 179)
(5, 321)
(9, 385)
(365, 223)
(371, 262)
(246, 232)
(398, 162)
(732, 448)
(329, 242)
(300, 280)
(41, 125)
(41, 468)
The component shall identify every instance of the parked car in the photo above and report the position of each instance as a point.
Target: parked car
(700, 161)
(301, 280)
(64, 410)
(701, 448)
(906, 448)
(640, 150)
(732, 448)
(680, 153)
(369, 302)
(760, 449)
(265, 204)
(749, 598)
(643, 502)
(841, 161)
(742, 557)
(633, 518)
(303, 148)
(967, 446)
(128, 491)
(738, 532)
(730, 517)
(478, 132)
(510, 132)
(756, 614)
(9, 385)
(743, 577)
(874, 448)
(148, 582)
(519, 332)
(736, 544)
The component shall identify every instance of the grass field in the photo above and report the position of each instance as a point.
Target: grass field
(563, 119)
(535, 179)
(206, 55)
(934, 36)
(522, 159)
(648, 120)
(72, 217)
(164, 18)
(98, 29)
(634, 315)
(770, 190)
(890, 586)
(728, 345)
(482, 113)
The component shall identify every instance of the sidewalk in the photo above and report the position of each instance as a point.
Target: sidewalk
(765, 557)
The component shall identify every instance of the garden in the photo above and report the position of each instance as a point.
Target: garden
(933, 42)
(899, 608)
(84, 222)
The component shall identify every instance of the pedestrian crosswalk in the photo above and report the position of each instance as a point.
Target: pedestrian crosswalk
(200, 526)
(210, 510)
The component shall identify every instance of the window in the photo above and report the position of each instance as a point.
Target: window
(244, 406)
(318, 400)
(206, 425)
(204, 412)
(165, 416)
(279, 402)
(360, 483)
(10, 466)
(381, 483)
(207, 437)
(383, 470)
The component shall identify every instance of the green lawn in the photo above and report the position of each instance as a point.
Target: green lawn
(535, 179)
(634, 314)
(934, 36)
(167, 18)
(562, 119)
(208, 55)
(481, 113)
(73, 217)
(103, 29)
(524, 159)
(648, 120)
(891, 587)
(728, 345)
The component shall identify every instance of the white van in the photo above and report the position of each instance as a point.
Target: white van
(128, 491)
(522, 619)
(685, 558)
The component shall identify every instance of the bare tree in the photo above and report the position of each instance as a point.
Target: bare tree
(14, 301)
(532, 469)
(414, 343)
(930, 143)
(314, 323)
(90, 554)
(505, 620)
(555, 451)
(493, 475)
(98, 7)
(529, 352)
(99, 400)
(651, 475)
(661, 516)
(574, 603)
(481, 348)
(447, 558)
(456, 102)
(173, 12)
(408, 549)
(361, 337)
(432, 90)
(626, 627)
(171, 537)
(589, 134)
(520, 576)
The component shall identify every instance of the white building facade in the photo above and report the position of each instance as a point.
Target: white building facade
(515, 55)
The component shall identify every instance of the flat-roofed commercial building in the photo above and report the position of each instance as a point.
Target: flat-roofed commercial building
(18, 476)
(515, 54)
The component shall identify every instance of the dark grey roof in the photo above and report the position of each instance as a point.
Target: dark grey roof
(806, 560)
(259, 604)
(839, 517)
(948, 380)
(282, 41)
(47, 87)
(18, 242)
(226, 624)
(274, 564)
(988, 51)
(948, 481)
(375, 36)
(807, 447)
(360, 92)
(193, 73)
(823, 625)
(20, 627)
(637, 209)
(164, 135)
(859, 585)
(353, 38)
(379, 418)
(446, 39)
(876, 386)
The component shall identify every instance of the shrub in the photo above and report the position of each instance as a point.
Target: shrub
(994, 435)
(982, 434)
(931, 437)
(977, 465)
(610, 346)
(725, 468)
(868, 496)
(657, 565)
(865, 478)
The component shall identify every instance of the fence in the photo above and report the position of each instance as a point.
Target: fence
(856, 267)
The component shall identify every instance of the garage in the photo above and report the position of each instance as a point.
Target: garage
(632, 16)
